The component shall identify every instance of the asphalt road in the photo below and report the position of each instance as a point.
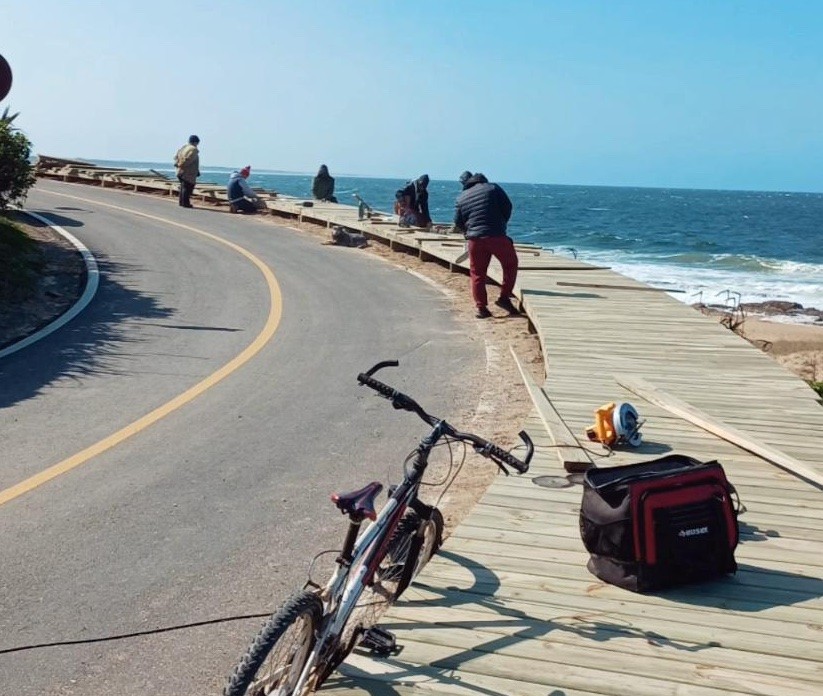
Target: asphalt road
(214, 510)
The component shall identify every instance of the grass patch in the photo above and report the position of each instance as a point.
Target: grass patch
(818, 387)
(21, 262)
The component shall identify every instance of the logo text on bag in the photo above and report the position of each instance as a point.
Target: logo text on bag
(696, 531)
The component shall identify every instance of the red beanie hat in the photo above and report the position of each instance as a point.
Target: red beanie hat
(245, 171)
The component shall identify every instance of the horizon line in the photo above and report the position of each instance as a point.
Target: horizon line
(288, 172)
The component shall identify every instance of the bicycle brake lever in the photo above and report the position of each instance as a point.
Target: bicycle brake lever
(486, 452)
(501, 467)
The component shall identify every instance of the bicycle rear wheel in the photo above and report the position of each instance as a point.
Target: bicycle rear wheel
(390, 579)
(273, 663)
(394, 573)
(407, 556)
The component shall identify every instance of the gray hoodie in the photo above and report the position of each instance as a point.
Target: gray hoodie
(239, 188)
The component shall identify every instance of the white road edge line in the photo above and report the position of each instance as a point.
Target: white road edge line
(92, 281)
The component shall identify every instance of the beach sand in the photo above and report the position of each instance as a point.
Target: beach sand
(798, 347)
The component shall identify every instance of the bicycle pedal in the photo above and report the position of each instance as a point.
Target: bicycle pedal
(379, 642)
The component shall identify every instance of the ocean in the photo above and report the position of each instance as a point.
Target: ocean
(717, 247)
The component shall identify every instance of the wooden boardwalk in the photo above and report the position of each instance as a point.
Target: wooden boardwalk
(509, 608)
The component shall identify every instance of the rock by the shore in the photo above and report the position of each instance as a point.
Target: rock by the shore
(771, 308)
(778, 307)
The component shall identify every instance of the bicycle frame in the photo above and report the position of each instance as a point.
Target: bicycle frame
(342, 592)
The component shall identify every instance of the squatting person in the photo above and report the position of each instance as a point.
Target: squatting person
(242, 199)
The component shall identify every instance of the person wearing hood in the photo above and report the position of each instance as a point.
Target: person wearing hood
(421, 193)
(187, 166)
(412, 203)
(322, 187)
(241, 197)
(482, 213)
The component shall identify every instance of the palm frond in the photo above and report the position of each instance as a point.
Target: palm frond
(5, 118)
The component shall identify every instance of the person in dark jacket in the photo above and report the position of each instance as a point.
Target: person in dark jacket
(322, 187)
(482, 213)
(412, 203)
(421, 193)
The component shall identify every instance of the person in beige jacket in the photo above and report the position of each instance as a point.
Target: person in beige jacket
(187, 161)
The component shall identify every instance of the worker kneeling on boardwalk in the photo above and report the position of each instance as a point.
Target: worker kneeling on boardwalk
(241, 197)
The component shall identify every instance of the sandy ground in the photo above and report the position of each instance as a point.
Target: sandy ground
(798, 347)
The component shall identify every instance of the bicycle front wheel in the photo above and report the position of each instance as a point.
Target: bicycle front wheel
(275, 660)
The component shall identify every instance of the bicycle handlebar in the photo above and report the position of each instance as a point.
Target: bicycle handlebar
(482, 446)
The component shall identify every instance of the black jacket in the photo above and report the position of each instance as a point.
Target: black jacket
(483, 209)
(322, 187)
(422, 205)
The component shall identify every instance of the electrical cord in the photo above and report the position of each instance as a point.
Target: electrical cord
(133, 634)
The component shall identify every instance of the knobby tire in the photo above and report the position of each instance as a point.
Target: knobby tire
(303, 610)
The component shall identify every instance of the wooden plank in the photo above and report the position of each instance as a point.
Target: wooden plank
(542, 267)
(573, 457)
(519, 247)
(808, 554)
(616, 287)
(397, 676)
(615, 640)
(743, 440)
(523, 658)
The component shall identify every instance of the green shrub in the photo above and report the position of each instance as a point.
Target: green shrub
(20, 262)
(16, 172)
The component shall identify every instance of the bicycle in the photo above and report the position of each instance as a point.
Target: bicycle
(302, 643)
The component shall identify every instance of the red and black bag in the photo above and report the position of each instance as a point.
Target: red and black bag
(661, 523)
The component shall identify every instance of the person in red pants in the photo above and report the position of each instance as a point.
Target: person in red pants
(482, 213)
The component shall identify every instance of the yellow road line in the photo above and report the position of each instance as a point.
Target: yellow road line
(272, 321)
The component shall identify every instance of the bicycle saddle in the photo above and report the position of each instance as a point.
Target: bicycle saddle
(359, 503)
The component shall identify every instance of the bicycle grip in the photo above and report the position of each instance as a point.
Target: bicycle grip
(379, 387)
(501, 454)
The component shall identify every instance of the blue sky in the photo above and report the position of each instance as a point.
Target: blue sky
(678, 93)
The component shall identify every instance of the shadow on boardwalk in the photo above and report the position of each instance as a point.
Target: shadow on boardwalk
(753, 589)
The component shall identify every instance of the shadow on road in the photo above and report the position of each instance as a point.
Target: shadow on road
(56, 218)
(91, 343)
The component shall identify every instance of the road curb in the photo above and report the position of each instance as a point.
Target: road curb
(92, 281)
